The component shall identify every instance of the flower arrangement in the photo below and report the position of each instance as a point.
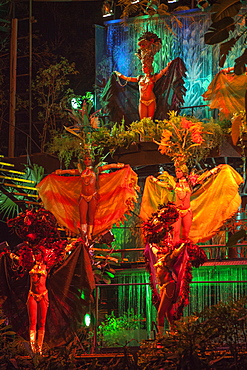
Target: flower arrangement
(185, 140)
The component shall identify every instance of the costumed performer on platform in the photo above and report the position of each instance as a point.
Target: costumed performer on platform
(211, 197)
(37, 277)
(169, 264)
(89, 192)
(147, 101)
(158, 92)
(92, 200)
(182, 193)
(208, 200)
(37, 300)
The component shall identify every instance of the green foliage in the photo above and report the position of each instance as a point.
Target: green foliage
(103, 140)
(147, 129)
(214, 339)
(51, 94)
(114, 330)
(11, 346)
(224, 21)
(8, 208)
(65, 146)
(202, 340)
(107, 140)
(147, 7)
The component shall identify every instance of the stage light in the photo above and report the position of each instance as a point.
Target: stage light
(202, 4)
(135, 2)
(107, 8)
(87, 319)
(172, 1)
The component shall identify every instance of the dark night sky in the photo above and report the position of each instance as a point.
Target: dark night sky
(69, 27)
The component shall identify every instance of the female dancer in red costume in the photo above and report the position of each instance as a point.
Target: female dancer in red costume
(169, 265)
(37, 301)
(23, 280)
(167, 283)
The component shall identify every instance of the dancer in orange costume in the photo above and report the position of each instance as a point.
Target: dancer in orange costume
(89, 193)
(227, 92)
(70, 198)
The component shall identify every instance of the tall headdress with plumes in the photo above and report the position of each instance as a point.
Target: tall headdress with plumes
(149, 44)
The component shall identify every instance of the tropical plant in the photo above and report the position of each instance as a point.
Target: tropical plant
(65, 146)
(114, 330)
(102, 141)
(186, 140)
(51, 95)
(105, 140)
(225, 15)
(8, 207)
(214, 338)
(147, 7)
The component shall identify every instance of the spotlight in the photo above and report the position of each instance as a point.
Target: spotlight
(107, 8)
(172, 1)
(87, 319)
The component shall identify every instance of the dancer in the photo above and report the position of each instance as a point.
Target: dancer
(44, 295)
(166, 258)
(227, 92)
(169, 266)
(89, 192)
(91, 200)
(214, 192)
(158, 93)
(37, 301)
(182, 190)
(147, 98)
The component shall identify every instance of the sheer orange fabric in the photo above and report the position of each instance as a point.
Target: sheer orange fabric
(227, 92)
(117, 194)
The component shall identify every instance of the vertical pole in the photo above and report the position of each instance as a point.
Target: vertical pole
(94, 349)
(29, 140)
(12, 97)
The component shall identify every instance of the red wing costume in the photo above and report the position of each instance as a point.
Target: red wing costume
(69, 289)
(117, 194)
